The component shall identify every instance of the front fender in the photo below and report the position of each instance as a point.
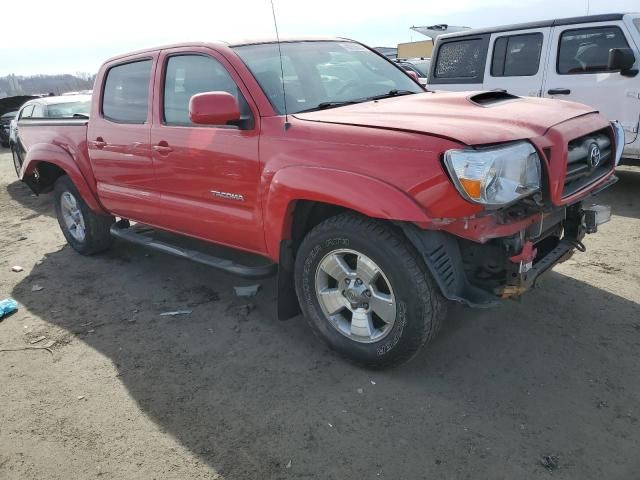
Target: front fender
(366, 195)
(61, 158)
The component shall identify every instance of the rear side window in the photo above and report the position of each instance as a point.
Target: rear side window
(126, 92)
(587, 50)
(461, 61)
(517, 55)
(26, 112)
(188, 75)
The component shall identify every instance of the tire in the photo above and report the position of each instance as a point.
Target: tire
(400, 308)
(17, 161)
(85, 231)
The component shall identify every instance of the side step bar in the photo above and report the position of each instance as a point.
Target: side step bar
(255, 272)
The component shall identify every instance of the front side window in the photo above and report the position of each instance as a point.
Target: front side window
(322, 74)
(461, 59)
(126, 92)
(587, 50)
(517, 55)
(188, 75)
(636, 22)
(26, 112)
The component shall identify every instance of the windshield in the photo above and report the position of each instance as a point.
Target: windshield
(68, 109)
(318, 74)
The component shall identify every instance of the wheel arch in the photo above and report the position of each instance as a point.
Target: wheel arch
(300, 196)
(45, 163)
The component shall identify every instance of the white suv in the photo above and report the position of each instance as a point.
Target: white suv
(592, 60)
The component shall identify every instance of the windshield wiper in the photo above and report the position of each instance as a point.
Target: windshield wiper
(325, 105)
(391, 93)
(342, 103)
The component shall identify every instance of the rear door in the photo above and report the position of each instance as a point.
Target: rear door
(207, 175)
(517, 61)
(118, 139)
(459, 63)
(578, 72)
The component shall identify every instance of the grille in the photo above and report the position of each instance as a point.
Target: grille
(584, 165)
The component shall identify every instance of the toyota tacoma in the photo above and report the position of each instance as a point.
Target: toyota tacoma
(374, 201)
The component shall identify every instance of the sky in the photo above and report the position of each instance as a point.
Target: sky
(69, 36)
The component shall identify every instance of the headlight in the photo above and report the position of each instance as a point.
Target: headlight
(495, 176)
(618, 131)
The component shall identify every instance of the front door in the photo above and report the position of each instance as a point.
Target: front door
(516, 61)
(207, 175)
(580, 74)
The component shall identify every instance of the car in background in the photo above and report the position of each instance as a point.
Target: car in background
(5, 125)
(64, 106)
(416, 66)
(422, 64)
(593, 60)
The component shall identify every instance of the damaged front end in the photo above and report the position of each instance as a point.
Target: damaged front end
(482, 274)
(501, 252)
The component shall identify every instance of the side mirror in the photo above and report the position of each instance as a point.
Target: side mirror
(214, 108)
(622, 60)
(412, 74)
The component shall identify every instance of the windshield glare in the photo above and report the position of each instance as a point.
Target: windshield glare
(321, 72)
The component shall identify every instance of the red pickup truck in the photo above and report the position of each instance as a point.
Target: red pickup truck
(374, 201)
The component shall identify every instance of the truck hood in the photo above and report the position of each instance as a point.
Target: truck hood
(473, 118)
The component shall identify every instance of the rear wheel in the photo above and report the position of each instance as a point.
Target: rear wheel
(366, 292)
(17, 162)
(86, 232)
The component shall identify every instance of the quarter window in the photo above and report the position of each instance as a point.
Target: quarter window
(188, 75)
(517, 55)
(26, 112)
(126, 92)
(587, 50)
(461, 59)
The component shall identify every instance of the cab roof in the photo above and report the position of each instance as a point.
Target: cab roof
(220, 43)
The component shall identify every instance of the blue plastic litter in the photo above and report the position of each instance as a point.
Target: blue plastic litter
(7, 306)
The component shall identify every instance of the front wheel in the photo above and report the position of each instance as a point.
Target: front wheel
(366, 292)
(86, 232)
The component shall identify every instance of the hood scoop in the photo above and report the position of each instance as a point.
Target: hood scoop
(492, 98)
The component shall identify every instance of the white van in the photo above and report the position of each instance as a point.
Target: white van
(592, 60)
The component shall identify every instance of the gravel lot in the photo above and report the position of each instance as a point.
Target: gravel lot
(230, 392)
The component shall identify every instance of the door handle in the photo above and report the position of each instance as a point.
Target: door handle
(99, 143)
(559, 91)
(162, 148)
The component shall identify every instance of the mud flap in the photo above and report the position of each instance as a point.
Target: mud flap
(288, 305)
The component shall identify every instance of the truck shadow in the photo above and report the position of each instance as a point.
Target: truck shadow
(247, 393)
(40, 205)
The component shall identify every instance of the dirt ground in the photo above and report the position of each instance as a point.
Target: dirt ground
(230, 392)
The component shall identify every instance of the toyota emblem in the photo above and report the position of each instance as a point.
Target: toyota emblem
(594, 156)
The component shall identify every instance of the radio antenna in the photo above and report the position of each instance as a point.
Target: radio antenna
(284, 95)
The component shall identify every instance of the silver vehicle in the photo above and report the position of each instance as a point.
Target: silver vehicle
(65, 106)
